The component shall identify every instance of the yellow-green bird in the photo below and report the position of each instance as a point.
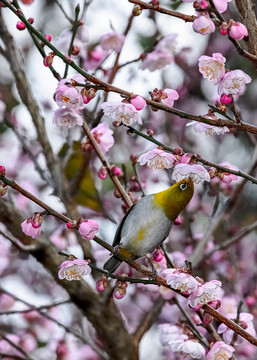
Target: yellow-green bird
(148, 222)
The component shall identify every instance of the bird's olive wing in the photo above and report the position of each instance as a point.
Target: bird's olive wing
(117, 236)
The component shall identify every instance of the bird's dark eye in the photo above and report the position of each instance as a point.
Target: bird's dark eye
(183, 186)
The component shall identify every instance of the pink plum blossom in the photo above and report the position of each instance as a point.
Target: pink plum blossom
(212, 67)
(204, 294)
(121, 112)
(67, 119)
(237, 31)
(29, 229)
(68, 96)
(180, 280)
(245, 319)
(138, 102)
(234, 82)
(95, 58)
(102, 173)
(196, 172)
(221, 5)
(157, 159)
(88, 228)
(103, 136)
(112, 41)
(102, 284)
(73, 269)
(203, 25)
(156, 60)
(220, 350)
(171, 95)
(202, 128)
(227, 178)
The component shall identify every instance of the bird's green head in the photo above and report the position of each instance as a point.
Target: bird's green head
(176, 198)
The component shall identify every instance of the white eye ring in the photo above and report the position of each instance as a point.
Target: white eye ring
(183, 186)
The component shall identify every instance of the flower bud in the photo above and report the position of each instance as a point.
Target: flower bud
(71, 224)
(116, 123)
(48, 37)
(31, 20)
(150, 132)
(116, 171)
(88, 228)
(137, 10)
(48, 60)
(102, 284)
(178, 220)
(3, 188)
(225, 99)
(119, 290)
(207, 318)
(2, 170)
(75, 50)
(20, 25)
(138, 102)
(102, 173)
(133, 158)
(224, 28)
(36, 220)
(117, 194)
(157, 255)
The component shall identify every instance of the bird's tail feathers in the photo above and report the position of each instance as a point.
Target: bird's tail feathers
(112, 264)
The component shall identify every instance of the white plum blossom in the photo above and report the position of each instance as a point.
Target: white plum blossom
(157, 159)
(180, 280)
(188, 348)
(202, 128)
(234, 82)
(121, 112)
(204, 294)
(67, 119)
(212, 68)
(196, 172)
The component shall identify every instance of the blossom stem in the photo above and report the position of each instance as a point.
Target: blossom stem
(74, 31)
(144, 5)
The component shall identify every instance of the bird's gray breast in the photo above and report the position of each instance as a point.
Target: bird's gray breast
(145, 227)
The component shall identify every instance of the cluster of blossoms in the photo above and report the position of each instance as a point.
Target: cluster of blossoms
(181, 341)
(230, 83)
(199, 293)
(71, 99)
(204, 25)
(183, 166)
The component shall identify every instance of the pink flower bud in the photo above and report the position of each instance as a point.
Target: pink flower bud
(71, 224)
(150, 132)
(102, 173)
(27, 2)
(36, 220)
(204, 4)
(225, 99)
(224, 29)
(207, 318)
(133, 158)
(48, 37)
(88, 94)
(116, 171)
(102, 284)
(2, 170)
(250, 300)
(138, 102)
(157, 255)
(237, 31)
(31, 20)
(203, 25)
(30, 230)
(178, 221)
(48, 60)
(20, 25)
(119, 290)
(3, 188)
(75, 50)
(88, 228)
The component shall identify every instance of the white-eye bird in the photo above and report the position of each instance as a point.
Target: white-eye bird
(148, 222)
